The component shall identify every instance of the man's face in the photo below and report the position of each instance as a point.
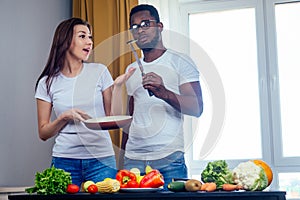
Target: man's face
(146, 32)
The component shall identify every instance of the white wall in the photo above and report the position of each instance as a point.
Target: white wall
(26, 33)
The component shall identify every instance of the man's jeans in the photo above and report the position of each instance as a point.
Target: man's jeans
(172, 166)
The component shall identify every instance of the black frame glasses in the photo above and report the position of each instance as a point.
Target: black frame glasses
(144, 25)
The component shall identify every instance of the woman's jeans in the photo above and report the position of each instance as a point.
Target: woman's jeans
(96, 169)
(172, 166)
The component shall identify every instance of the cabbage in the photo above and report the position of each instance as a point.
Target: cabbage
(250, 176)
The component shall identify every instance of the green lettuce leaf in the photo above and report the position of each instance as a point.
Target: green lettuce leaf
(51, 181)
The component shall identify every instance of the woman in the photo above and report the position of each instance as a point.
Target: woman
(76, 90)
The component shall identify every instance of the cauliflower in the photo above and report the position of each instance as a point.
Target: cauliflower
(250, 176)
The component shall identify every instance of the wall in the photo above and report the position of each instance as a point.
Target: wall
(26, 33)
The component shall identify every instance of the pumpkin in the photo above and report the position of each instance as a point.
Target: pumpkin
(266, 168)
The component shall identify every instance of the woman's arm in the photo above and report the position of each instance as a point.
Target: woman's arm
(117, 93)
(48, 129)
(107, 102)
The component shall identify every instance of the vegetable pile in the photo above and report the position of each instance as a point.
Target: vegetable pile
(191, 185)
(253, 175)
(51, 181)
(133, 179)
(217, 172)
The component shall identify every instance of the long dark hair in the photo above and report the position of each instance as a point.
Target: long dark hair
(61, 42)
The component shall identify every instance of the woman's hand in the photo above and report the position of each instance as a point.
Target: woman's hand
(74, 115)
(120, 80)
(48, 128)
(117, 95)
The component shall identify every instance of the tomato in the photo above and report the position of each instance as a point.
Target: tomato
(72, 189)
(92, 189)
(132, 184)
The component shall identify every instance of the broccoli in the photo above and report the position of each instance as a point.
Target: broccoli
(218, 172)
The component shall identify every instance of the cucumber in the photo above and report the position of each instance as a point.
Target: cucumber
(176, 186)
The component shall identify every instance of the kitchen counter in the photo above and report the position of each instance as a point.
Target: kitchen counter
(5, 191)
(165, 195)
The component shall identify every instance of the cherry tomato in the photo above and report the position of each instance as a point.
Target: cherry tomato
(132, 184)
(72, 188)
(92, 189)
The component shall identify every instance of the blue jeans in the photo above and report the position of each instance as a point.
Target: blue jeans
(96, 169)
(172, 166)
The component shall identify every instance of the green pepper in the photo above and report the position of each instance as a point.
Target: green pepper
(153, 179)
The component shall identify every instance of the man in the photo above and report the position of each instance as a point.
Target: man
(158, 99)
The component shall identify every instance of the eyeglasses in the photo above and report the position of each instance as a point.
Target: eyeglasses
(145, 24)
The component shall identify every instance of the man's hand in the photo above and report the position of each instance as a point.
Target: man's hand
(188, 101)
(153, 82)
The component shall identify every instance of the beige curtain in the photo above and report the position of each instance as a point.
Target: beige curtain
(110, 22)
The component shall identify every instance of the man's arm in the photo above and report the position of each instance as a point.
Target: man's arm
(189, 101)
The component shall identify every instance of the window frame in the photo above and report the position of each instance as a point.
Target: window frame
(279, 160)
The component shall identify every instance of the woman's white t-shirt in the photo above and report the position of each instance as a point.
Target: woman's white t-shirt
(83, 92)
(157, 128)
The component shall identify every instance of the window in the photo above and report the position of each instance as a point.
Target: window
(288, 43)
(254, 45)
(231, 44)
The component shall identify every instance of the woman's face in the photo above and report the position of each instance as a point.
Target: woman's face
(81, 45)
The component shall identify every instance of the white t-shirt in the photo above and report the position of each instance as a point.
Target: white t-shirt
(157, 128)
(83, 92)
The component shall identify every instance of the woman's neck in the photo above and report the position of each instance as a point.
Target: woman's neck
(72, 69)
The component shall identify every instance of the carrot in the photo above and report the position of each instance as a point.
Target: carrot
(208, 187)
(203, 186)
(211, 187)
(231, 187)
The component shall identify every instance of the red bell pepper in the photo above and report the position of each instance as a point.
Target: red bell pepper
(124, 176)
(133, 184)
(153, 179)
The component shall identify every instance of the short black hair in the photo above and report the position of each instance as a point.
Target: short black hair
(153, 11)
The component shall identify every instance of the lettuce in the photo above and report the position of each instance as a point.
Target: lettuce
(51, 181)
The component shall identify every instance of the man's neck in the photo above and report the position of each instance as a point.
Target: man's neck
(153, 54)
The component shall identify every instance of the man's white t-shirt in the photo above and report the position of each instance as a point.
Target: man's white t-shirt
(83, 92)
(157, 128)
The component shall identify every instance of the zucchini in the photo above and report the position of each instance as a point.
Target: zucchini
(176, 186)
